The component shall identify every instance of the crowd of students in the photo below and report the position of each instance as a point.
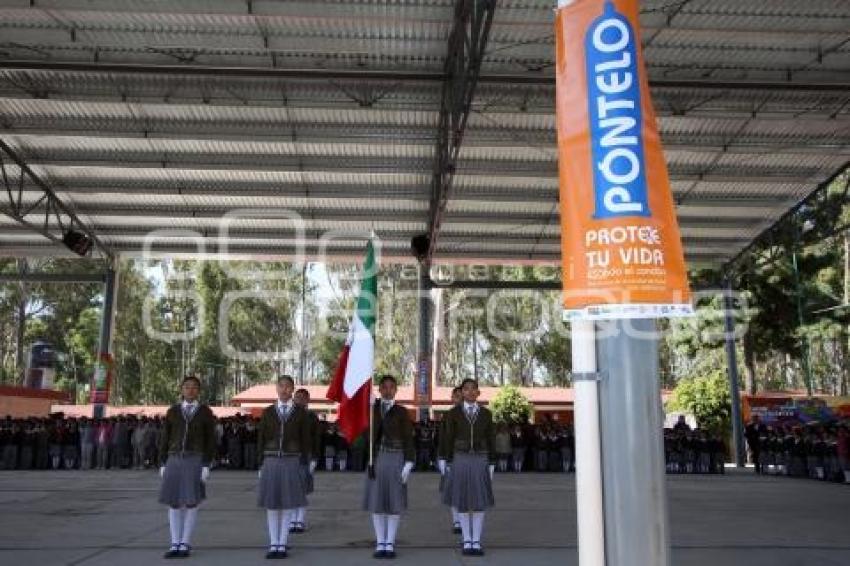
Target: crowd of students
(70, 443)
(133, 442)
(693, 451)
(818, 451)
(815, 451)
(125, 442)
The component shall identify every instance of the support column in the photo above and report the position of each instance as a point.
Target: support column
(424, 371)
(20, 323)
(739, 450)
(634, 483)
(104, 349)
(438, 341)
(591, 522)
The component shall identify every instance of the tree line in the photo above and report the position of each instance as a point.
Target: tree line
(792, 318)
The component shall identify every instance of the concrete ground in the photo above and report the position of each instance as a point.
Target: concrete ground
(112, 519)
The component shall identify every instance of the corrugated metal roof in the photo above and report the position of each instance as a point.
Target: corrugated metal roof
(133, 152)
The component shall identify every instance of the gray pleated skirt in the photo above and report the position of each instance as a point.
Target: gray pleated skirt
(441, 487)
(445, 482)
(282, 483)
(386, 494)
(309, 486)
(468, 487)
(181, 482)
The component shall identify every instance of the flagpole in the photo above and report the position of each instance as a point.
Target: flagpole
(371, 407)
(371, 467)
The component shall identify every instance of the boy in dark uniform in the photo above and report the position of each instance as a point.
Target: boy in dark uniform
(187, 448)
(285, 448)
(445, 470)
(386, 484)
(302, 399)
(753, 433)
(468, 444)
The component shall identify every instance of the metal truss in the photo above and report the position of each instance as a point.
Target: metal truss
(53, 212)
(467, 41)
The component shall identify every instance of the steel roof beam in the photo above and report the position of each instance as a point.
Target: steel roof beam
(395, 75)
(467, 43)
(467, 167)
(401, 253)
(313, 213)
(466, 203)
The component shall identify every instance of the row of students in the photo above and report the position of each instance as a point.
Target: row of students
(816, 451)
(287, 449)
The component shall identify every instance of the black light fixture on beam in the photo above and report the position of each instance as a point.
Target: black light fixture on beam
(77, 242)
(419, 246)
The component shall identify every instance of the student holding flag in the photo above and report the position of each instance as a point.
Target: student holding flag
(467, 444)
(285, 442)
(391, 451)
(187, 447)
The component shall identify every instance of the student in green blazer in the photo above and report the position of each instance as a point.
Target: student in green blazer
(285, 458)
(187, 447)
(468, 445)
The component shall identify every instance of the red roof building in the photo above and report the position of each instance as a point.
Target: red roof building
(20, 402)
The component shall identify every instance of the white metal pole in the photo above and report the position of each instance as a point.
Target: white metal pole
(591, 524)
(588, 441)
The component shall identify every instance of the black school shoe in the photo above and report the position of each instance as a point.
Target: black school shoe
(476, 549)
(389, 552)
(282, 552)
(379, 552)
(172, 552)
(466, 548)
(185, 551)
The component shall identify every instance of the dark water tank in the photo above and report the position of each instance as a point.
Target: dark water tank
(42, 355)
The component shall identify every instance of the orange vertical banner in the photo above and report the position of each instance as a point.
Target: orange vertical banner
(620, 244)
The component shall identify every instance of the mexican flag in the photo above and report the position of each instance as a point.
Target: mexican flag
(352, 383)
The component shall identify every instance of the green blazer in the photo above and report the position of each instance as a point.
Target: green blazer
(393, 431)
(292, 437)
(459, 435)
(199, 438)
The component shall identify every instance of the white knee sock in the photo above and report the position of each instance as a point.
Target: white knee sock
(465, 527)
(392, 528)
(189, 520)
(301, 515)
(273, 518)
(455, 516)
(175, 524)
(285, 519)
(477, 526)
(379, 522)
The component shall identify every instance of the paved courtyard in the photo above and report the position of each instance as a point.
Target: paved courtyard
(112, 519)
